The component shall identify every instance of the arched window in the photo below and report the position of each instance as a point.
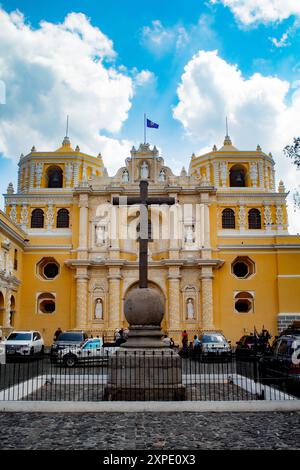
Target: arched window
(254, 218)
(243, 302)
(237, 176)
(228, 218)
(54, 177)
(46, 303)
(37, 218)
(63, 218)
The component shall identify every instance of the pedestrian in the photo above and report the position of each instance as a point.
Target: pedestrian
(167, 341)
(185, 340)
(57, 333)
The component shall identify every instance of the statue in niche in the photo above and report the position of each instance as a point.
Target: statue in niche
(98, 309)
(189, 234)
(190, 311)
(162, 176)
(144, 171)
(125, 176)
(100, 234)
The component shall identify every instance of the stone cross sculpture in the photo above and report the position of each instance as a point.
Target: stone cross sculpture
(144, 200)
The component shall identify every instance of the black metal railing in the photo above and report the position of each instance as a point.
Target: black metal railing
(73, 375)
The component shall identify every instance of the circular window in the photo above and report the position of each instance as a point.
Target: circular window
(243, 267)
(48, 268)
(51, 270)
(243, 305)
(47, 306)
(240, 269)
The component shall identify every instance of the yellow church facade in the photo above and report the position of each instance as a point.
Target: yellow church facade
(221, 257)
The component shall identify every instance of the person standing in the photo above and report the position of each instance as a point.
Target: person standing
(185, 340)
(57, 333)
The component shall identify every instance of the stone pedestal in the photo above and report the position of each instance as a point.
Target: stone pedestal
(145, 375)
(144, 368)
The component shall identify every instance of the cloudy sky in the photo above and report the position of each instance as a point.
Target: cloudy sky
(187, 64)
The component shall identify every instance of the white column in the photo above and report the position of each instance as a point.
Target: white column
(82, 279)
(39, 174)
(174, 297)
(207, 298)
(32, 174)
(216, 174)
(206, 226)
(114, 279)
(50, 216)
(83, 222)
(261, 174)
(76, 174)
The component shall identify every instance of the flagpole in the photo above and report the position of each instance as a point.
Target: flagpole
(144, 128)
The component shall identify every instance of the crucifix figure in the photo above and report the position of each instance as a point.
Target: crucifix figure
(144, 200)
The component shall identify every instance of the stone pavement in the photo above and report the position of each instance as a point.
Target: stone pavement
(150, 431)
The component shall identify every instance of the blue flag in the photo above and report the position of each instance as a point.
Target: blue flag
(152, 124)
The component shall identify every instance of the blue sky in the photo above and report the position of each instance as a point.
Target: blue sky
(161, 55)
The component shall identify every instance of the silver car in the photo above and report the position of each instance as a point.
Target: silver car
(91, 351)
(214, 345)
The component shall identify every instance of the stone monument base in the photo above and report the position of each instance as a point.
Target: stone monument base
(142, 375)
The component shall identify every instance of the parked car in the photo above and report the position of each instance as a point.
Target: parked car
(214, 345)
(67, 339)
(24, 343)
(92, 351)
(252, 346)
(281, 364)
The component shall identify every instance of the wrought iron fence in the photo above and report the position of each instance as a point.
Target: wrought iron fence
(115, 374)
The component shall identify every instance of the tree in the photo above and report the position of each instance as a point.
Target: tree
(293, 152)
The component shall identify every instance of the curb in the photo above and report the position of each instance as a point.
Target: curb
(149, 407)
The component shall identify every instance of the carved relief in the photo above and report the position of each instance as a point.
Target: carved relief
(279, 216)
(69, 174)
(223, 173)
(50, 216)
(24, 216)
(253, 174)
(267, 216)
(242, 217)
(13, 213)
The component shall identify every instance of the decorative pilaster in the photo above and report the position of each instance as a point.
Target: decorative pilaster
(24, 216)
(13, 213)
(174, 297)
(223, 168)
(7, 310)
(50, 216)
(82, 279)
(267, 218)
(207, 299)
(114, 279)
(279, 217)
(207, 172)
(39, 174)
(83, 222)
(216, 174)
(253, 174)
(266, 176)
(69, 174)
(272, 179)
(242, 217)
(76, 174)
(261, 174)
(32, 175)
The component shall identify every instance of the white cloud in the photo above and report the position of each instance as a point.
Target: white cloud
(265, 11)
(160, 39)
(258, 112)
(60, 69)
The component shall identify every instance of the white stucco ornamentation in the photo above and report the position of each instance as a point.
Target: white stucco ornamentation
(13, 213)
(50, 216)
(69, 174)
(267, 217)
(39, 174)
(24, 216)
(242, 217)
(253, 174)
(224, 173)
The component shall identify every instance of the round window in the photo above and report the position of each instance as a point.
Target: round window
(51, 270)
(47, 306)
(240, 269)
(243, 305)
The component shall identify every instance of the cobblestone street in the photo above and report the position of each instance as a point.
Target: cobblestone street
(150, 431)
